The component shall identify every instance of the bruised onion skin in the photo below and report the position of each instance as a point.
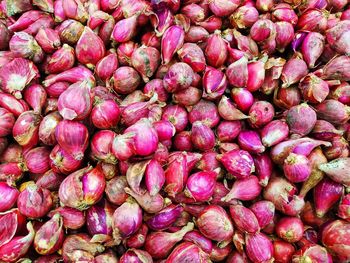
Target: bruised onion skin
(78, 247)
(25, 129)
(290, 229)
(334, 238)
(18, 246)
(50, 236)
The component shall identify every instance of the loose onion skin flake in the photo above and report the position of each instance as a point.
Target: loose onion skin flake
(169, 131)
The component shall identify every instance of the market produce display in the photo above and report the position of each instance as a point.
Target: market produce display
(168, 131)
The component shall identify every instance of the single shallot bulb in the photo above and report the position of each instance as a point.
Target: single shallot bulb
(326, 194)
(125, 80)
(106, 66)
(191, 54)
(62, 162)
(105, 114)
(244, 219)
(63, 59)
(200, 186)
(293, 71)
(335, 239)
(135, 255)
(274, 132)
(188, 251)
(312, 48)
(47, 128)
(259, 247)
(48, 39)
(301, 119)
(172, 41)
(145, 138)
(165, 218)
(264, 212)
(82, 188)
(213, 222)
(250, 141)
(90, 48)
(202, 136)
(313, 252)
(290, 229)
(99, 221)
(313, 88)
(179, 76)
(25, 129)
(34, 201)
(35, 95)
(127, 219)
(244, 189)
(146, 61)
(154, 177)
(125, 29)
(160, 244)
(296, 168)
(75, 103)
(343, 208)
(216, 50)
(214, 83)
(238, 162)
(261, 113)
(24, 45)
(37, 160)
(101, 146)
(72, 218)
(49, 238)
(73, 137)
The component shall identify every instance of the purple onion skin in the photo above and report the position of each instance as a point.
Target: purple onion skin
(165, 218)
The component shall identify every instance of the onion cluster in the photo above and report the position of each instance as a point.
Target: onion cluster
(174, 131)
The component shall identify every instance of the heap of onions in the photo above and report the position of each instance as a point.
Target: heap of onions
(173, 131)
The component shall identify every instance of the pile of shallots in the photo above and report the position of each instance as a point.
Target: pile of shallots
(168, 131)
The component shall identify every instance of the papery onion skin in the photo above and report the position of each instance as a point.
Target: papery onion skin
(40, 201)
(334, 237)
(221, 230)
(82, 188)
(50, 236)
(72, 218)
(127, 220)
(73, 137)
